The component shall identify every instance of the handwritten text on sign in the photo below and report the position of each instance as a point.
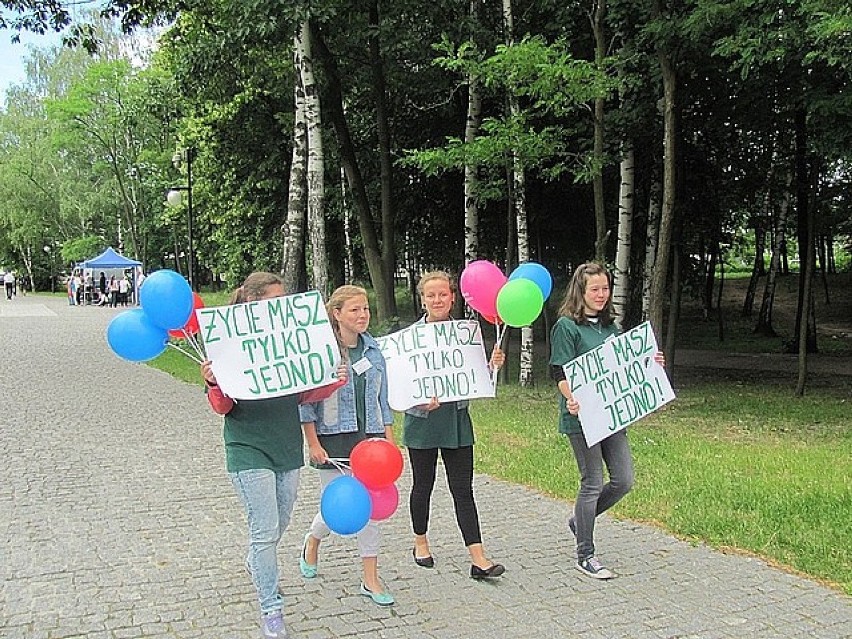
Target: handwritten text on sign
(618, 383)
(270, 348)
(441, 359)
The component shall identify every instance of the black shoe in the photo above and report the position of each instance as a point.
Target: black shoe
(486, 573)
(423, 562)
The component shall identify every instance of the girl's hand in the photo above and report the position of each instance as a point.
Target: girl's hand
(498, 358)
(317, 454)
(660, 358)
(432, 405)
(207, 372)
(573, 406)
(342, 374)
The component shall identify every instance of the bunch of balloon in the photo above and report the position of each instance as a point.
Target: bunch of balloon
(349, 502)
(168, 304)
(514, 301)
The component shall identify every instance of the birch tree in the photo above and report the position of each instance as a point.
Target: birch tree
(294, 228)
(315, 169)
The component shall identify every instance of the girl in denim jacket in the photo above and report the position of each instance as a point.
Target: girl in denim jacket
(355, 412)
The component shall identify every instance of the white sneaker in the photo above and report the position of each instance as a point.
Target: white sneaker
(272, 626)
(593, 568)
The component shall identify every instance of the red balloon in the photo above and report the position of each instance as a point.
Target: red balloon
(191, 327)
(384, 500)
(376, 462)
(495, 319)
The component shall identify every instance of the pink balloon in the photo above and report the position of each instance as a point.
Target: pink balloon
(385, 501)
(480, 282)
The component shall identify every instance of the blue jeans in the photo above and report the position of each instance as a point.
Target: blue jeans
(595, 497)
(268, 498)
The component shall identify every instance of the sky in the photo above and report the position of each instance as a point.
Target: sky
(12, 56)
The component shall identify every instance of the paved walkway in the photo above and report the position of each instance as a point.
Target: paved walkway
(118, 522)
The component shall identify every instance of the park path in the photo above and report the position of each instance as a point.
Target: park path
(118, 522)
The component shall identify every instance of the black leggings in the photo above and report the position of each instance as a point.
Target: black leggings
(458, 463)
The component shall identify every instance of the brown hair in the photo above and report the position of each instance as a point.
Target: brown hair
(255, 286)
(338, 298)
(574, 305)
(436, 275)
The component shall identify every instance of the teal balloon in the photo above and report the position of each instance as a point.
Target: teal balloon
(537, 273)
(345, 505)
(133, 336)
(166, 298)
(519, 302)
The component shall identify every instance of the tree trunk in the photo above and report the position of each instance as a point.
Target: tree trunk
(661, 264)
(764, 318)
(621, 290)
(519, 200)
(803, 220)
(366, 224)
(597, 19)
(804, 333)
(471, 130)
(293, 256)
(674, 313)
(720, 316)
(315, 172)
(388, 213)
(651, 233)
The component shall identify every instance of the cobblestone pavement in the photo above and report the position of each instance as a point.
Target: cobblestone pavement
(119, 522)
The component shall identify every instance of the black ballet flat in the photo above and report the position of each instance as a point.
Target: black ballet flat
(423, 562)
(486, 573)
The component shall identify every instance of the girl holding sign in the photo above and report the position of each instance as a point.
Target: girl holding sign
(353, 413)
(447, 428)
(586, 321)
(263, 453)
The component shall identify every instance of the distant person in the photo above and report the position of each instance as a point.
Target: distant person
(78, 289)
(586, 320)
(9, 283)
(334, 427)
(445, 428)
(123, 290)
(113, 291)
(263, 454)
(102, 284)
(69, 287)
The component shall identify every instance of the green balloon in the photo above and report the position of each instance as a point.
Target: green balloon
(519, 302)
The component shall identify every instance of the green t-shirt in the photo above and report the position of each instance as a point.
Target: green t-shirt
(567, 341)
(264, 433)
(447, 426)
(340, 446)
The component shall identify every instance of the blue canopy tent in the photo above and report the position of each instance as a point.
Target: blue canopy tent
(110, 260)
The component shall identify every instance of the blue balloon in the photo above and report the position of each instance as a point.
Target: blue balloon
(537, 273)
(167, 299)
(345, 505)
(131, 335)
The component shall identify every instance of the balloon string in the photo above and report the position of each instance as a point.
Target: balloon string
(193, 340)
(191, 356)
(338, 462)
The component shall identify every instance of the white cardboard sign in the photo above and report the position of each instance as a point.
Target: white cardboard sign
(618, 383)
(437, 359)
(270, 348)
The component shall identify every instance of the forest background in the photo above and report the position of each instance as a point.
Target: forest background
(679, 142)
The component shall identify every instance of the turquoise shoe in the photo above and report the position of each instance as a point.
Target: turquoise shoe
(379, 598)
(309, 571)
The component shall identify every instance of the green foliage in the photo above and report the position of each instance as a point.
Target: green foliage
(82, 248)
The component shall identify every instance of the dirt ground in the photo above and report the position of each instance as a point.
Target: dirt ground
(831, 366)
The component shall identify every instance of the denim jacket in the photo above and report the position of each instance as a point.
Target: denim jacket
(337, 415)
(416, 411)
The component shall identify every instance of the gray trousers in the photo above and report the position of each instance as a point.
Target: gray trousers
(595, 497)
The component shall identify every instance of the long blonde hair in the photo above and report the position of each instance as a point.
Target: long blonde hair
(338, 298)
(254, 287)
(574, 304)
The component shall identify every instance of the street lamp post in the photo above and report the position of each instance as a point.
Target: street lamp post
(174, 198)
(49, 252)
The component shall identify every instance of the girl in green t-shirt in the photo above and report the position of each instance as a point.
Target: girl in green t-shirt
(586, 321)
(446, 428)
